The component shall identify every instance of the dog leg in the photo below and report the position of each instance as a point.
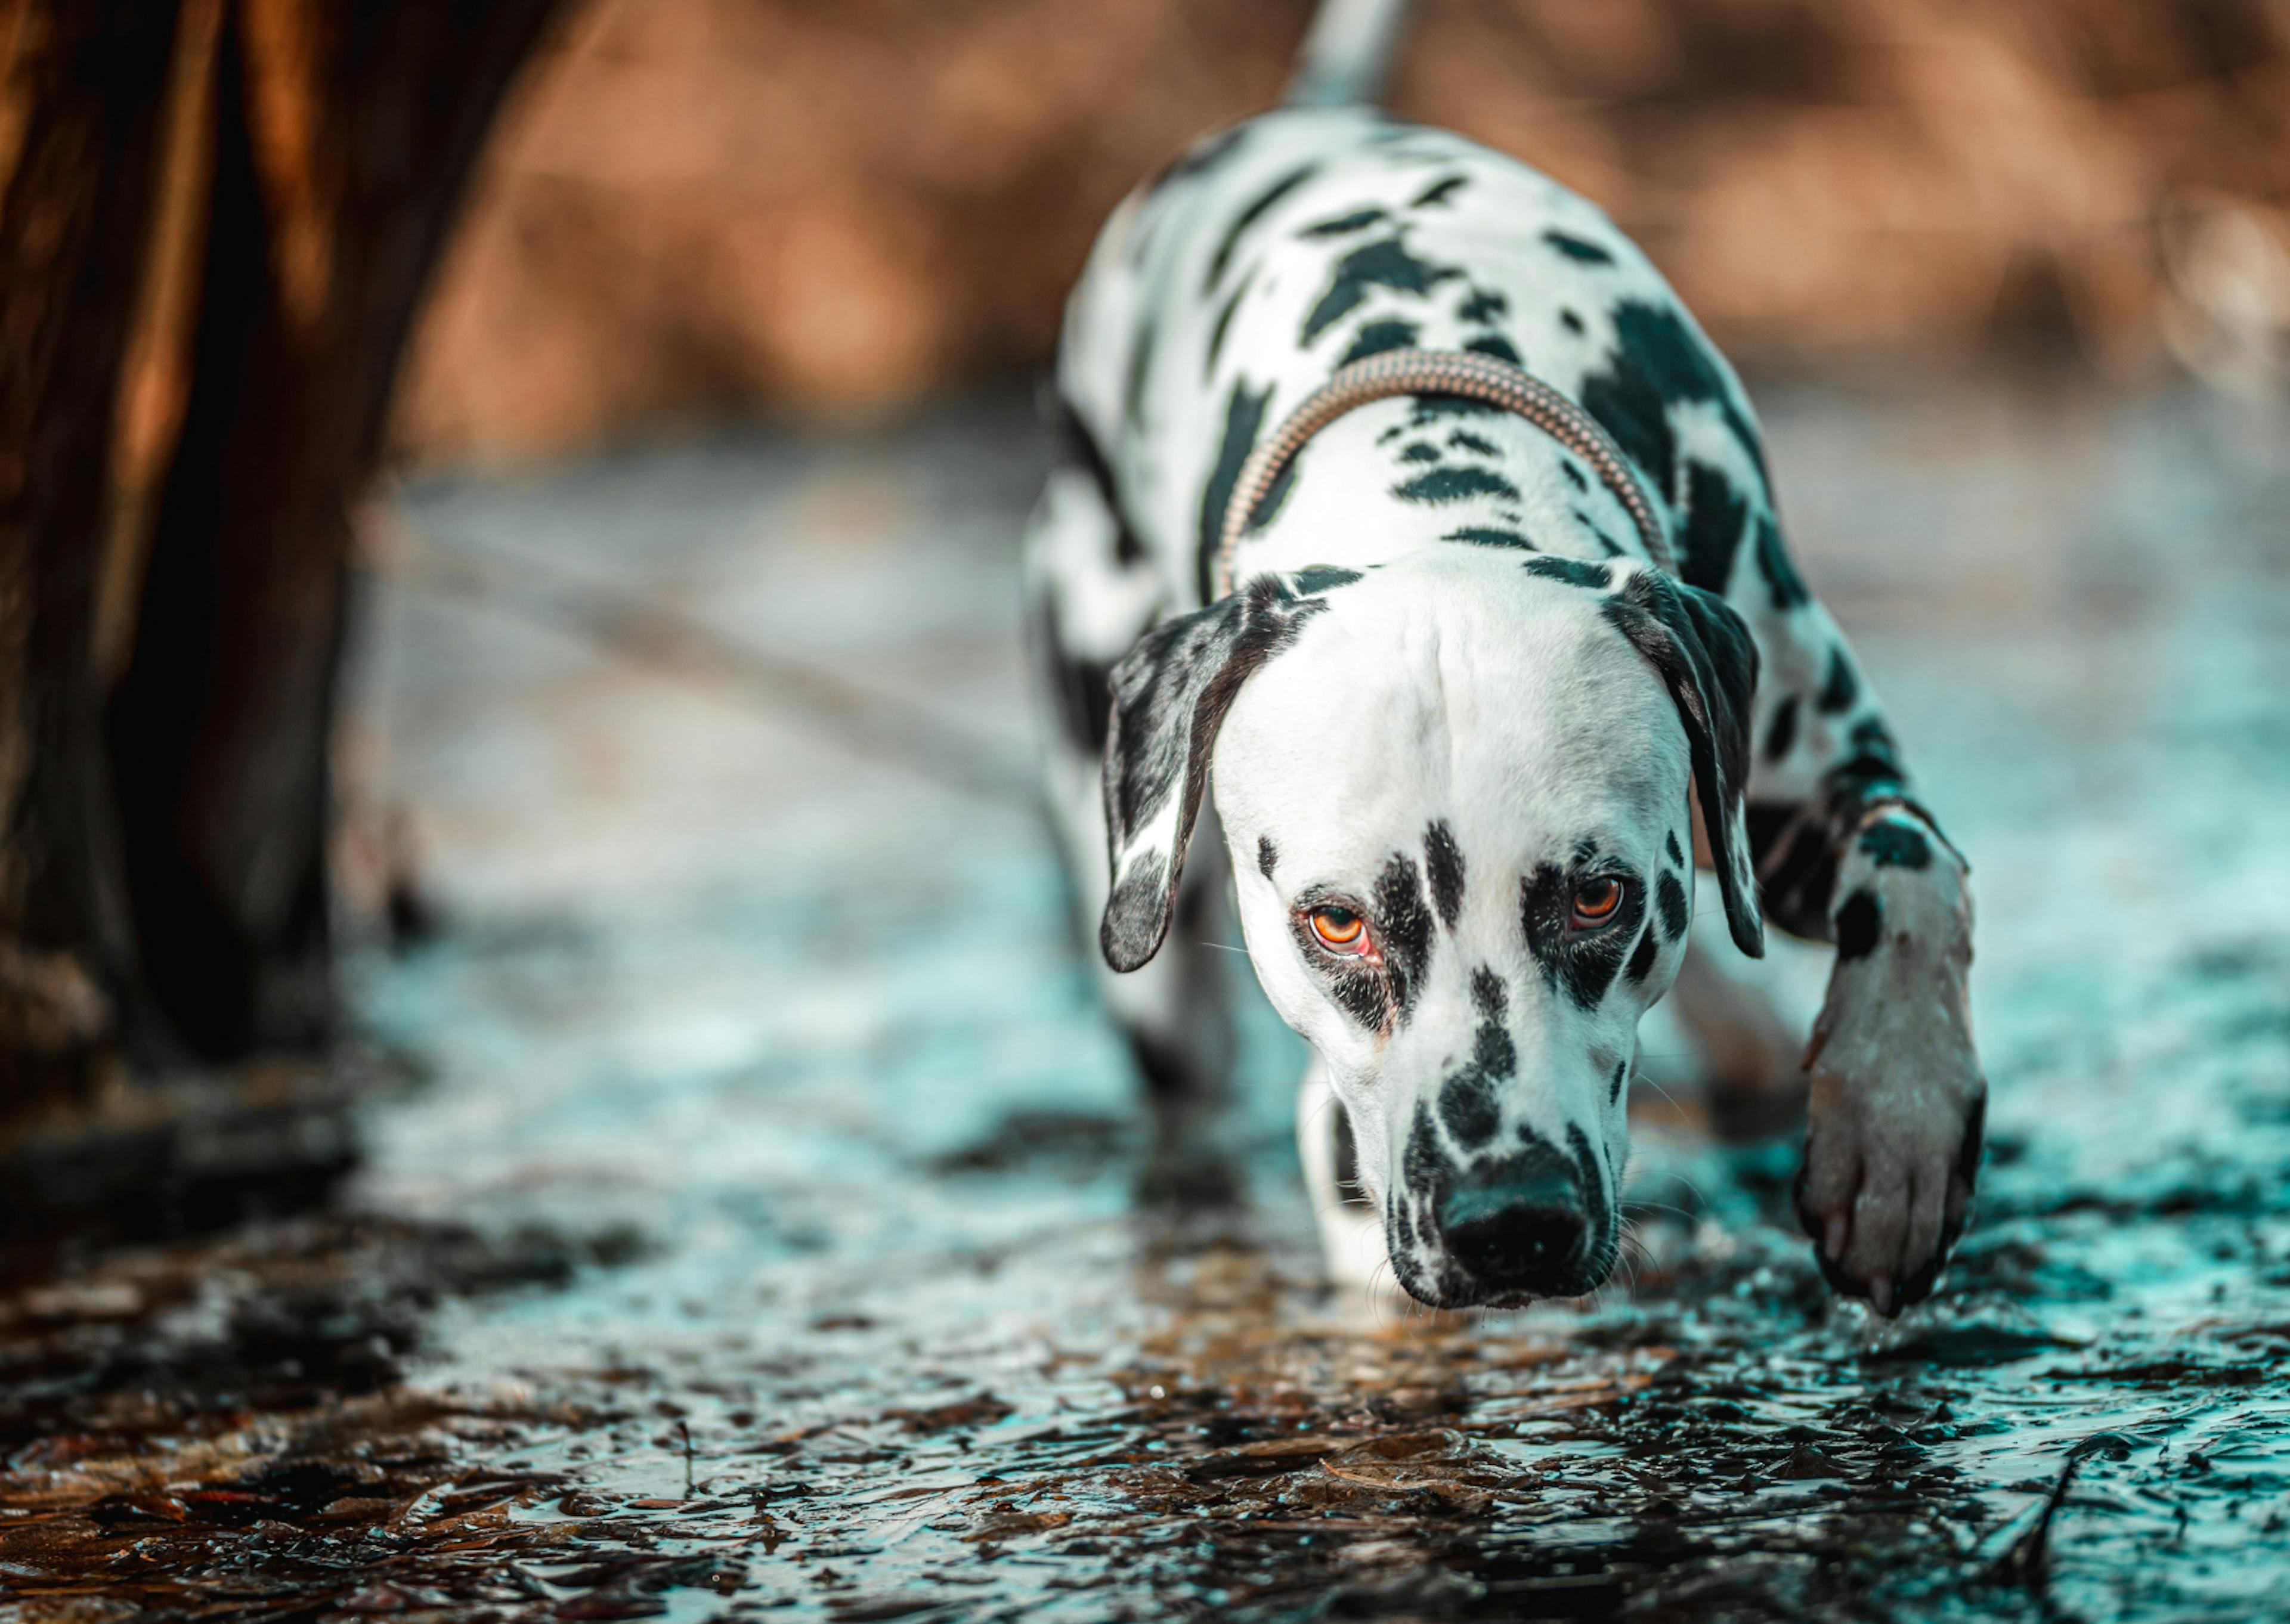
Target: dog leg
(1845, 854)
(1177, 1013)
(1091, 593)
(1897, 1103)
(1351, 1233)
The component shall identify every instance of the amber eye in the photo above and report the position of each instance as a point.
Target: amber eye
(1597, 900)
(1340, 929)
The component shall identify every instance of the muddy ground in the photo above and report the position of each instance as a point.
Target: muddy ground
(738, 1218)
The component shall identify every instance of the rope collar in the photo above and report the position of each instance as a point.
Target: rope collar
(1464, 374)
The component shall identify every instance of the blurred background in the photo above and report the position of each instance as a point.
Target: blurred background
(544, 1067)
(700, 207)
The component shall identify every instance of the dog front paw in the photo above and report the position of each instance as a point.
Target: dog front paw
(1885, 1194)
(1894, 1120)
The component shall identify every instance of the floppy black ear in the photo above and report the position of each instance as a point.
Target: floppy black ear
(1705, 656)
(1170, 695)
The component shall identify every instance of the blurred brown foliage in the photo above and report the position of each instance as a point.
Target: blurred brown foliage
(701, 205)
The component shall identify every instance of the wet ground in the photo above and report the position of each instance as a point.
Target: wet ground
(756, 1237)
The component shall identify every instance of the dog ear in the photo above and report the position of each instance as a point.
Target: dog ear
(1170, 696)
(1706, 658)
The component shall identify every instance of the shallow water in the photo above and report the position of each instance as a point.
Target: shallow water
(761, 1238)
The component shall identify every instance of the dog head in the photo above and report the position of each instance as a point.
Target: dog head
(1455, 787)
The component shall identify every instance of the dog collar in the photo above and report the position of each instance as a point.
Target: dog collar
(1465, 373)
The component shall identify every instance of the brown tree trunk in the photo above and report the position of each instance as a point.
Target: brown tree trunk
(163, 879)
(344, 135)
(83, 89)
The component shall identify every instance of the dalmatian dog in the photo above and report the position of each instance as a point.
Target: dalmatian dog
(1461, 690)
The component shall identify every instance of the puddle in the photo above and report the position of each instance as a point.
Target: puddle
(763, 1244)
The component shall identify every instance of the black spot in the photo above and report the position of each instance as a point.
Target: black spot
(1467, 1106)
(1275, 494)
(1581, 481)
(1669, 896)
(1424, 410)
(1657, 362)
(1443, 866)
(1584, 964)
(1438, 191)
(1782, 732)
(1606, 543)
(1841, 687)
(1080, 449)
(1359, 219)
(1893, 844)
(1404, 925)
(1420, 452)
(1322, 577)
(1716, 516)
(1376, 338)
(1268, 856)
(1570, 321)
(1487, 536)
(1669, 844)
(1599, 1219)
(1224, 322)
(1573, 571)
(1874, 743)
(1464, 439)
(1642, 961)
(1578, 248)
(1484, 308)
(1494, 344)
(1630, 408)
(1800, 880)
(1860, 923)
(1781, 579)
(1140, 368)
(1455, 484)
(1244, 418)
(1623, 1068)
(1424, 1166)
(1386, 264)
(1487, 995)
(1468, 1100)
(1348, 1188)
(1255, 210)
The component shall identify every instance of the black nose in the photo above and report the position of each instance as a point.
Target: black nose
(1521, 1230)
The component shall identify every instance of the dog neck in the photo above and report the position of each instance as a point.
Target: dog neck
(1410, 472)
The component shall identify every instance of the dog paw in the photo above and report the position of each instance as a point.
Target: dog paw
(1893, 1124)
(1885, 1197)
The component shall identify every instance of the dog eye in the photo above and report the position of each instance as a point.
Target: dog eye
(1596, 901)
(1338, 928)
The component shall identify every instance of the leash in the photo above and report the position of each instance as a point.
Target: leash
(1463, 373)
